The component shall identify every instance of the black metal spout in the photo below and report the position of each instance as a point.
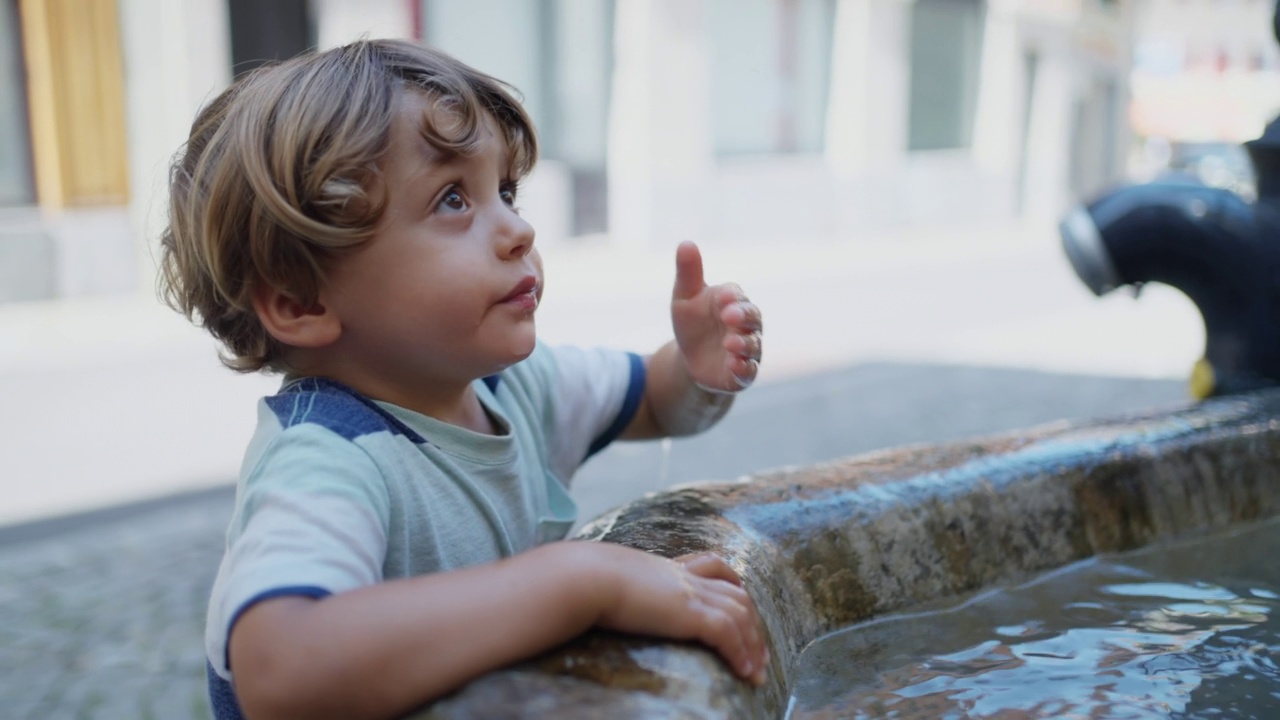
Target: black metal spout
(1218, 249)
(1264, 154)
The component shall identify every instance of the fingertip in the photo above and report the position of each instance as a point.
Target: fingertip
(731, 311)
(735, 345)
(762, 667)
(689, 279)
(710, 566)
(734, 291)
(687, 253)
(744, 370)
(692, 561)
(758, 667)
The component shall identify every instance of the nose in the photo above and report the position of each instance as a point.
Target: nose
(514, 234)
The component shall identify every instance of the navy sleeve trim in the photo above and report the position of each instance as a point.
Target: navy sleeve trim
(312, 591)
(635, 393)
(222, 697)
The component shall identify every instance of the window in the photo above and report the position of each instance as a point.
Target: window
(770, 63)
(558, 54)
(75, 72)
(946, 47)
(15, 143)
(1094, 155)
(265, 31)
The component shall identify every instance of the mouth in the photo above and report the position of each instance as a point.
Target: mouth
(524, 295)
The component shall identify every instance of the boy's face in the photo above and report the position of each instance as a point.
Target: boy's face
(446, 289)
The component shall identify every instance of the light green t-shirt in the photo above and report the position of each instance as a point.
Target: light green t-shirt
(338, 491)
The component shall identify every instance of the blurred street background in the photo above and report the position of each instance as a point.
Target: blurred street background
(883, 177)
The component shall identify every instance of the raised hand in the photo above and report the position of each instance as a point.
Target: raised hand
(718, 330)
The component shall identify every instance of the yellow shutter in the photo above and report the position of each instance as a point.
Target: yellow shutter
(76, 101)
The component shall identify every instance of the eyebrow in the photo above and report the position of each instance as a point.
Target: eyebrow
(432, 154)
(432, 160)
(437, 159)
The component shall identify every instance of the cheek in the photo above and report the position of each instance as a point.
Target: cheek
(434, 293)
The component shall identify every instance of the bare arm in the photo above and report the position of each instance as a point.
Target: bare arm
(691, 381)
(384, 650)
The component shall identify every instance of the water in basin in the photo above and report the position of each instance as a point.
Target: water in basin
(1186, 630)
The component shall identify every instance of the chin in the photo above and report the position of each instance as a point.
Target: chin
(524, 351)
(521, 347)
(503, 349)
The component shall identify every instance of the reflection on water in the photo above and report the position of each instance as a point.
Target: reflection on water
(1181, 631)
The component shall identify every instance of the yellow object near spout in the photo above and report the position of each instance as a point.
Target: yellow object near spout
(1202, 379)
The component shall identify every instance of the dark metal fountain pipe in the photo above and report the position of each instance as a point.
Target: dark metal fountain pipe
(1222, 252)
(1218, 249)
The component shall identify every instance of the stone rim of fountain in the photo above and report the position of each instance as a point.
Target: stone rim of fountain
(824, 546)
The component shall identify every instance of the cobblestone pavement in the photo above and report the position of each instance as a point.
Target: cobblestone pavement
(106, 621)
(102, 616)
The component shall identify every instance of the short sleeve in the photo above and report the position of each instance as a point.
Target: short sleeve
(312, 521)
(595, 395)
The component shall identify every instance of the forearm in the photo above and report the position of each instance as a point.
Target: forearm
(383, 650)
(676, 404)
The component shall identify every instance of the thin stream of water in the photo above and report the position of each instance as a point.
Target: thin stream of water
(664, 470)
(1190, 630)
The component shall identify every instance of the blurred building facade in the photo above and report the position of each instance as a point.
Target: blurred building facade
(726, 121)
(1206, 78)
(1205, 70)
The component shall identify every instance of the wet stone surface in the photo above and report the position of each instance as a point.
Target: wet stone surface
(106, 621)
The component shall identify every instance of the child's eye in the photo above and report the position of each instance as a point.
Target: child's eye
(508, 193)
(453, 200)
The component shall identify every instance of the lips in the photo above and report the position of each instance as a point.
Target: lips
(524, 294)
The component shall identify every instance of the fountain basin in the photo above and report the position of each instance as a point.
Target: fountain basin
(825, 546)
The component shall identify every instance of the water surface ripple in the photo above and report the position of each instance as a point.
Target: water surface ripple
(1187, 630)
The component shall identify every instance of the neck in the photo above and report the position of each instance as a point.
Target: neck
(454, 402)
(456, 406)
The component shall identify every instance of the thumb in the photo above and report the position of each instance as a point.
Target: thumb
(689, 280)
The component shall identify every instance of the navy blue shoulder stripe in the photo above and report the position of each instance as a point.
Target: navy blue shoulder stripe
(635, 392)
(336, 407)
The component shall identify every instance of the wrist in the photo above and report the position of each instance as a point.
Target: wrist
(697, 408)
(590, 581)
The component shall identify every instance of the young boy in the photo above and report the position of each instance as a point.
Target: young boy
(349, 219)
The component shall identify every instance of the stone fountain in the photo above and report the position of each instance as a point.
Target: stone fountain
(825, 546)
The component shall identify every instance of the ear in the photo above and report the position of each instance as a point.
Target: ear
(293, 323)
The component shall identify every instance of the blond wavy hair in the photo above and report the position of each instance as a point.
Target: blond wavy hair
(279, 177)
